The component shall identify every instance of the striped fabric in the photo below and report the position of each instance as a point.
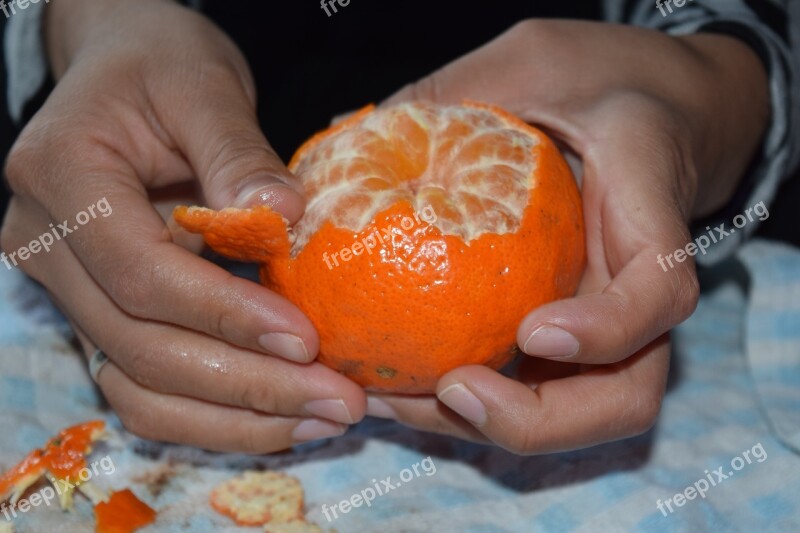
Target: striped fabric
(729, 428)
(732, 410)
(772, 335)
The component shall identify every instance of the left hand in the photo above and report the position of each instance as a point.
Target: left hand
(659, 144)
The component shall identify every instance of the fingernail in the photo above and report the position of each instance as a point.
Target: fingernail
(317, 429)
(459, 398)
(551, 341)
(285, 345)
(335, 410)
(380, 409)
(259, 191)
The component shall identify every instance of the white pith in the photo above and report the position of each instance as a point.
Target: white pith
(449, 180)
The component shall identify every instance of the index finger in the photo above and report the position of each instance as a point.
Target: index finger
(128, 251)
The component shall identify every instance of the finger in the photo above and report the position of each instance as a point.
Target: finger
(425, 413)
(490, 73)
(637, 305)
(631, 223)
(185, 421)
(217, 129)
(128, 250)
(176, 361)
(129, 254)
(428, 414)
(604, 404)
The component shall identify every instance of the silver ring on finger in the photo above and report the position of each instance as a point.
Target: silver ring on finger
(96, 364)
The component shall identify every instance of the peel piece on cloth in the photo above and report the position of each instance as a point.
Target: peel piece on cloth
(429, 233)
(123, 513)
(257, 498)
(61, 461)
(271, 499)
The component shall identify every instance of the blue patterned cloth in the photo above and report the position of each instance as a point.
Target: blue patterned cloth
(731, 416)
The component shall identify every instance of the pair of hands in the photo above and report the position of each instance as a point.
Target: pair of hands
(153, 99)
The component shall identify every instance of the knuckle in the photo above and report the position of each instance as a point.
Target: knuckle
(253, 441)
(240, 144)
(132, 292)
(526, 437)
(139, 422)
(223, 321)
(224, 325)
(625, 332)
(521, 440)
(644, 414)
(255, 395)
(21, 162)
(688, 295)
(36, 152)
(242, 153)
(140, 364)
(134, 288)
(220, 71)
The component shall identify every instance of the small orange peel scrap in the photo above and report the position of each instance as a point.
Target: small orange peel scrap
(61, 461)
(122, 513)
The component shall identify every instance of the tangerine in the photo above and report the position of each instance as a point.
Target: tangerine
(496, 229)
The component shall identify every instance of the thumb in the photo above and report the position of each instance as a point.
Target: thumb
(480, 75)
(496, 72)
(217, 130)
(435, 87)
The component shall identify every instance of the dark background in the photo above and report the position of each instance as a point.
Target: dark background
(309, 67)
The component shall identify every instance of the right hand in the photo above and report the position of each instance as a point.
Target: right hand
(153, 96)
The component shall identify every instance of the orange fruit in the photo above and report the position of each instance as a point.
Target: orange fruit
(429, 233)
